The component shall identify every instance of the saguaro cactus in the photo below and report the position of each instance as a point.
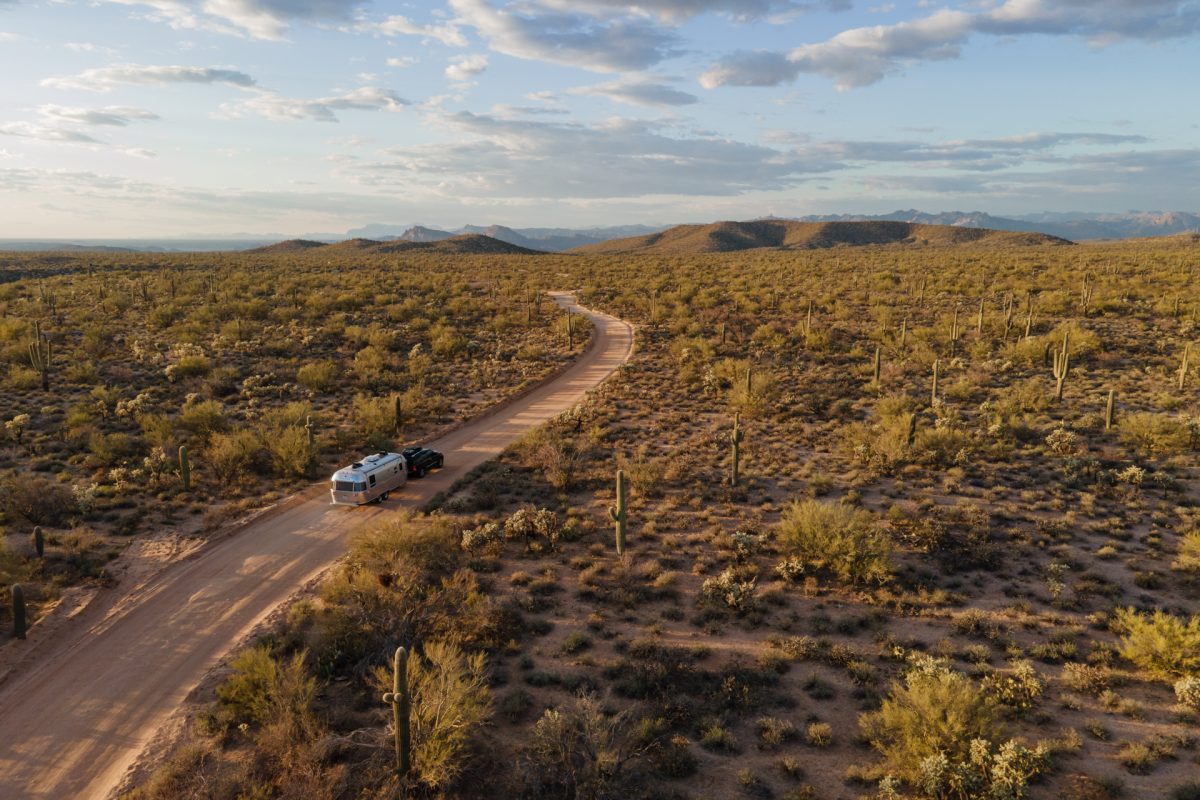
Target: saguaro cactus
(1062, 365)
(39, 541)
(954, 332)
(185, 468)
(310, 429)
(397, 414)
(618, 512)
(736, 439)
(877, 366)
(18, 611)
(1183, 367)
(401, 703)
(41, 355)
(937, 364)
(1109, 407)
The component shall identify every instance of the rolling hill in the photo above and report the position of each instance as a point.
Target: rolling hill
(721, 237)
(463, 245)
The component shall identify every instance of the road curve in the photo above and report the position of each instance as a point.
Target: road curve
(80, 715)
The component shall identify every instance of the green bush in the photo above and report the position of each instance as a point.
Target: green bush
(1187, 558)
(264, 689)
(320, 376)
(933, 711)
(291, 453)
(450, 703)
(838, 539)
(1161, 643)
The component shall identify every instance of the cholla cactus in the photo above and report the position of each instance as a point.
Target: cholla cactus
(1187, 691)
(727, 590)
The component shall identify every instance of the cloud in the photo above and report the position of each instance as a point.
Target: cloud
(31, 130)
(862, 56)
(750, 68)
(448, 34)
(107, 115)
(465, 68)
(278, 107)
(619, 158)
(401, 62)
(678, 11)
(102, 79)
(639, 93)
(624, 43)
(262, 19)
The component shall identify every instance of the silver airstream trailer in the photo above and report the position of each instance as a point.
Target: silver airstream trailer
(369, 480)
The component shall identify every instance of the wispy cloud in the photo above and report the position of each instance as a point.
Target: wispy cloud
(618, 158)
(466, 68)
(103, 79)
(639, 92)
(274, 106)
(32, 130)
(261, 19)
(615, 44)
(448, 33)
(862, 56)
(107, 115)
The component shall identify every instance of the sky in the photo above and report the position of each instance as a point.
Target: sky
(138, 118)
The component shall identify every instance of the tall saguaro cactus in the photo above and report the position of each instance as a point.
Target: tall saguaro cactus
(41, 355)
(618, 512)
(735, 439)
(877, 366)
(39, 541)
(1183, 367)
(1062, 365)
(185, 468)
(401, 703)
(933, 394)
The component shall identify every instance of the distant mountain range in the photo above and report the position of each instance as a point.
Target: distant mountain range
(1073, 226)
(469, 243)
(546, 239)
(723, 237)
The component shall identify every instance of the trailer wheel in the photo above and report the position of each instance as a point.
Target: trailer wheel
(421, 473)
(384, 496)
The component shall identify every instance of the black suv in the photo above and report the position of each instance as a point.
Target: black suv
(420, 460)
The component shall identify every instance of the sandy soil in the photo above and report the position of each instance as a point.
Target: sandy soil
(92, 692)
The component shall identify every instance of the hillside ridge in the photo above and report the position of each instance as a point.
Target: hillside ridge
(729, 236)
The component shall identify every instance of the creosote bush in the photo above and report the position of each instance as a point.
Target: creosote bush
(842, 541)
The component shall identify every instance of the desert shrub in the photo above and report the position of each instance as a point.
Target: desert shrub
(291, 453)
(959, 538)
(264, 689)
(451, 701)
(202, 417)
(1160, 643)
(578, 751)
(1187, 558)
(320, 376)
(113, 448)
(374, 421)
(231, 455)
(932, 712)
(1156, 433)
(837, 539)
(37, 500)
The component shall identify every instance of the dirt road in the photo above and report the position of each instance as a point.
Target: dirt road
(86, 706)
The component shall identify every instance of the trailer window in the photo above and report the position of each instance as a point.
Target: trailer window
(371, 478)
(343, 486)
